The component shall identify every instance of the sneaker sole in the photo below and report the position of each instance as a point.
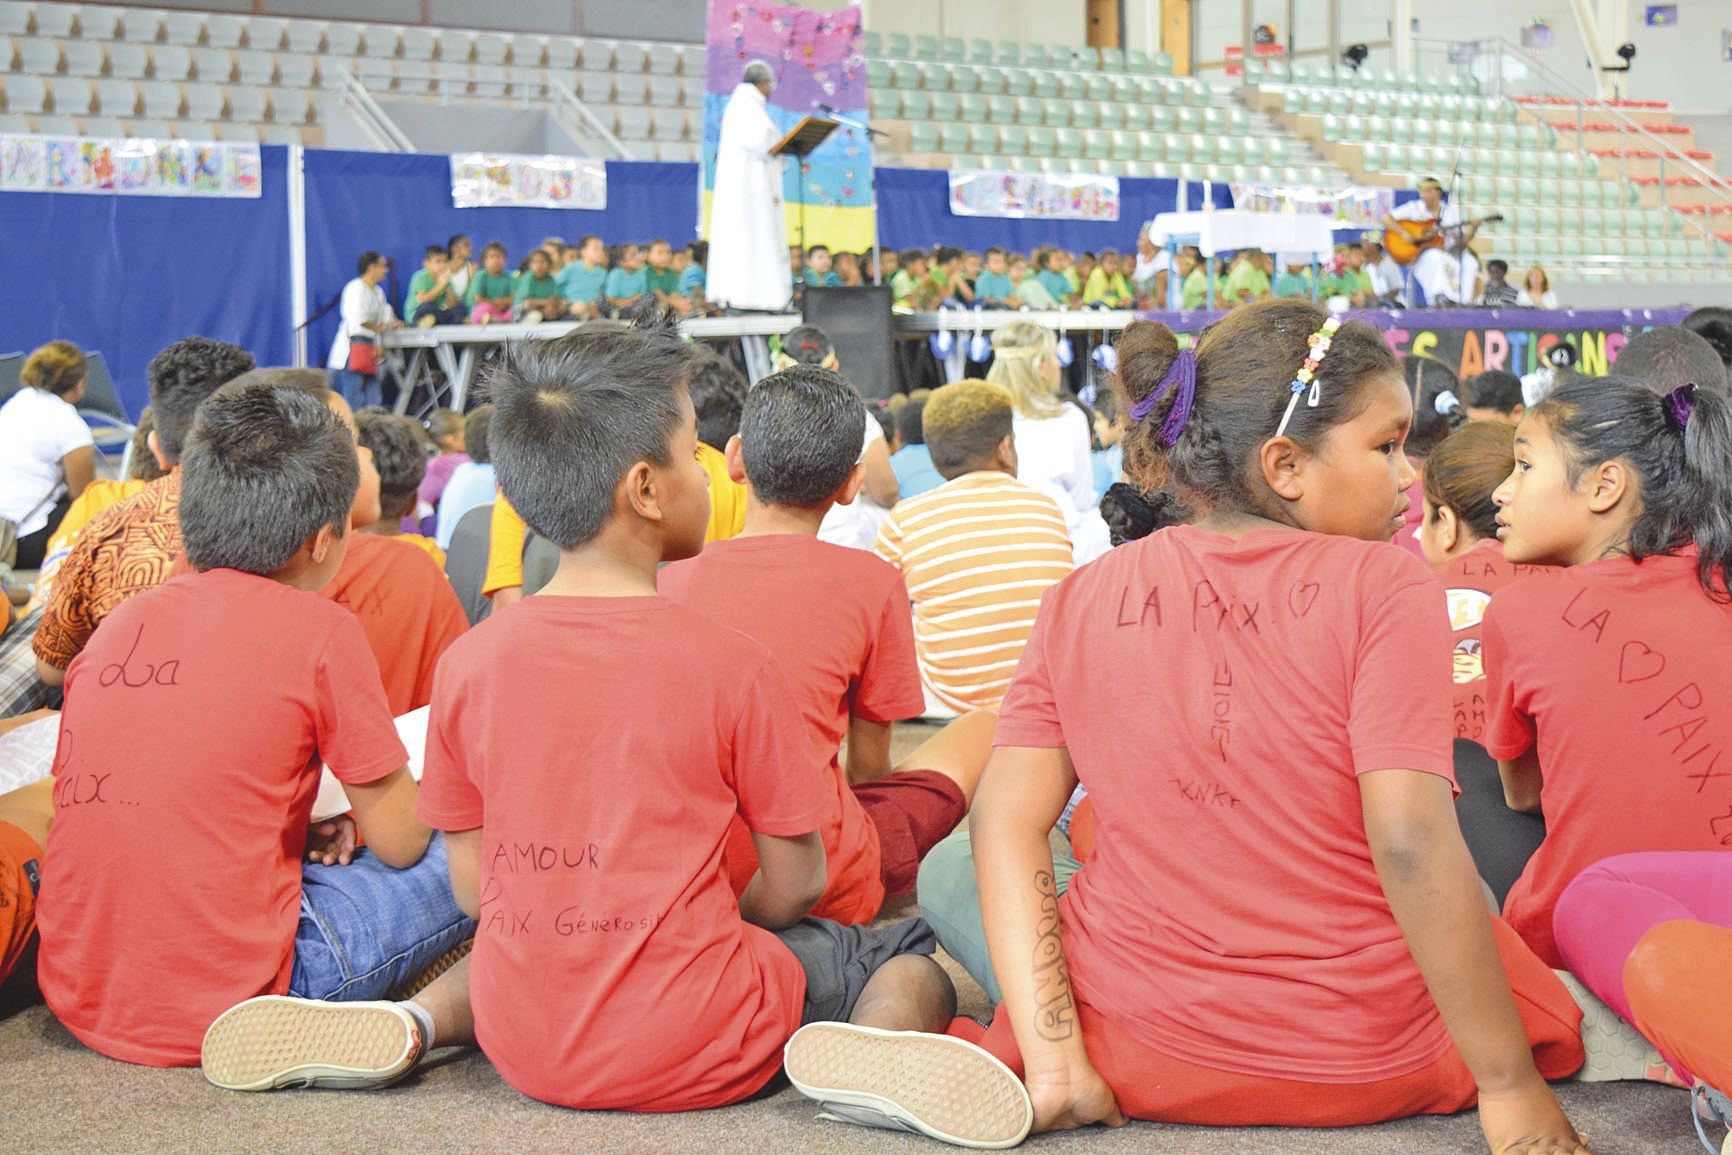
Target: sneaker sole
(1614, 1050)
(937, 1085)
(275, 1041)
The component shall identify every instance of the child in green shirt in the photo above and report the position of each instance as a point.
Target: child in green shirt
(491, 291)
(994, 288)
(662, 279)
(626, 281)
(1028, 287)
(537, 298)
(1106, 285)
(431, 299)
(583, 277)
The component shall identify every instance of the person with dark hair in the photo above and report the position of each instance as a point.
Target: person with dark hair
(432, 298)
(837, 621)
(947, 277)
(363, 315)
(976, 551)
(492, 290)
(537, 297)
(1665, 358)
(915, 473)
(693, 276)
(1317, 951)
(472, 483)
(718, 392)
(1494, 395)
(400, 456)
(1437, 410)
(133, 545)
(911, 285)
(584, 277)
(47, 453)
(444, 428)
(460, 249)
(594, 439)
(847, 270)
(627, 282)
(1713, 323)
(1497, 292)
(245, 684)
(1597, 676)
(817, 268)
(662, 280)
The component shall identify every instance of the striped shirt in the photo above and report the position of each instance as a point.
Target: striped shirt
(977, 553)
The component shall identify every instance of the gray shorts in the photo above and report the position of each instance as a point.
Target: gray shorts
(838, 960)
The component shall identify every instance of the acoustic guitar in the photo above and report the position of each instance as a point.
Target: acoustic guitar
(1408, 239)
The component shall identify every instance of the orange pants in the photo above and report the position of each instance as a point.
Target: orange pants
(20, 869)
(1676, 981)
(1151, 1085)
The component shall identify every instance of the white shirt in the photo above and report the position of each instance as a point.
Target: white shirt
(460, 280)
(362, 304)
(1056, 450)
(1547, 300)
(37, 429)
(856, 524)
(1386, 277)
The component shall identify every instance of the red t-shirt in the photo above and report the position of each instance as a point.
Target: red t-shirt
(1469, 580)
(195, 723)
(1219, 699)
(1624, 672)
(838, 622)
(407, 608)
(602, 746)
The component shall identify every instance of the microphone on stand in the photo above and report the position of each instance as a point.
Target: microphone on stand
(830, 110)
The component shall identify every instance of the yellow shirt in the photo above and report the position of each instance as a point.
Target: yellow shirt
(97, 496)
(505, 545)
(425, 544)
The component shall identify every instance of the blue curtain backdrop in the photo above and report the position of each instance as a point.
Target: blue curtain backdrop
(130, 275)
(399, 203)
(914, 212)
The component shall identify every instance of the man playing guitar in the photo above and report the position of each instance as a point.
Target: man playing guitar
(1449, 272)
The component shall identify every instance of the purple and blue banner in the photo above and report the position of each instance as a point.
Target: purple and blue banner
(819, 59)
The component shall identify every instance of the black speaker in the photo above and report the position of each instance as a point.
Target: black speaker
(858, 323)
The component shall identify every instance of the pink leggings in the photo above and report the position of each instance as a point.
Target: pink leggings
(483, 311)
(1648, 933)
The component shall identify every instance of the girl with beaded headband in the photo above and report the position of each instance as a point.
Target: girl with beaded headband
(1607, 681)
(1280, 924)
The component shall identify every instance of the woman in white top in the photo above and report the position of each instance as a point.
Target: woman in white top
(47, 455)
(1052, 435)
(1537, 292)
(363, 311)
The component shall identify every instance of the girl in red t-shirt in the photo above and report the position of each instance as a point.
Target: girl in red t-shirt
(1458, 535)
(1280, 923)
(1607, 683)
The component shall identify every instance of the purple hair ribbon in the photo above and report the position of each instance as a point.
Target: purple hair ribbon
(1681, 403)
(1182, 374)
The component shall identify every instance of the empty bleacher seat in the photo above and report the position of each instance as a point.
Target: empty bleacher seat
(451, 77)
(268, 33)
(26, 94)
(295, 71)
(280, 134)
(213, 65)
(291, 107)
(205, 102)
(117, 97)
(559, 52)
(308, 36)
(374, 73)
(490, 80)
(38, 57)
(417, 44)
(248, 105)
(170, 62)
(223, 31)
(71, 95)
(15, 18)
(160, 99)
(631, 56)
(183, 28)
(261, 68)
(56, 125)
(380, 41)
(597, 56)
(102, 127)
(634, 123)
(131, 61)
(668, 124)
(692, 61)
(666, 90)
(83, 58)
(150, 130)
(58, 20)
(492, 48)
(140, 26)
(525, 83)
(453, 46)
(341, 38)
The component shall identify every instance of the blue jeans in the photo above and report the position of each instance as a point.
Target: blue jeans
(366, 928)
(359, 391)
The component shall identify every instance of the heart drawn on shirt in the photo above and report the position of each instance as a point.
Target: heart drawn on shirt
(1302, 597)
(1638, 663)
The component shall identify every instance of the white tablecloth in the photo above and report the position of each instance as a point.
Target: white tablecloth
(1225, 230)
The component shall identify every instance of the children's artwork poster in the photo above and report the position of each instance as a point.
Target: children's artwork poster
(130, 167)
(483, 180)
(1034, 195)
(1353, 207)
(819, 59)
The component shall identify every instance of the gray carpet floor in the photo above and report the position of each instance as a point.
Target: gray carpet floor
(60, 1097)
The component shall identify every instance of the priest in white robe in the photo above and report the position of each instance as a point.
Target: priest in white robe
(748, 264)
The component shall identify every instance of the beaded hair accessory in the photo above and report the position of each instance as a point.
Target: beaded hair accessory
(1307, 375)
(1182, 375)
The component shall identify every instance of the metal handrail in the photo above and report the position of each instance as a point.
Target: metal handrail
(566, 101)
(1665, 152)
(373, 119)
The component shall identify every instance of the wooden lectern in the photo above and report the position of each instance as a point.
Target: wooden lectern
(802, 140)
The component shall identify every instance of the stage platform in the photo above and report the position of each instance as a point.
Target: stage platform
(1467, 340)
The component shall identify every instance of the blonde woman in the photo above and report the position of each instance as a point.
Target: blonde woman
(1537, 291)
(1052, 436)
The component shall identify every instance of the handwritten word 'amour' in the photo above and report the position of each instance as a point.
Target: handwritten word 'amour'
(533, 858)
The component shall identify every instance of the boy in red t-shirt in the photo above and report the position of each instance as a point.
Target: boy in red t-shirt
(247, 681)
(587, 750)
(837, 620)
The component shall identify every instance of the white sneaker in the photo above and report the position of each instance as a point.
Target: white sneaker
(932, 1085)
(532, 317)
(276, 1041)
